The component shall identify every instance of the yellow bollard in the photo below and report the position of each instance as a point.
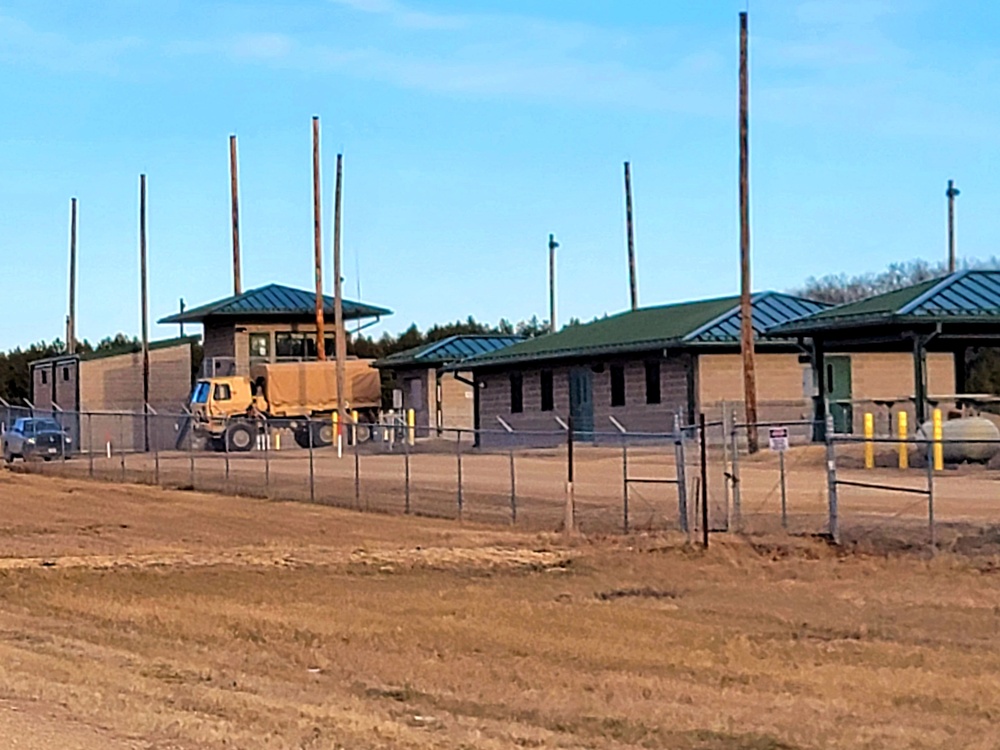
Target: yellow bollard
(277, 440)
(411, 423)
(869, 445)
(354, 426)
(335, 419)
(902, 433)
(938, 445)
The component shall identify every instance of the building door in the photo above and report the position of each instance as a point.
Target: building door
(838, 386)
(581, 402)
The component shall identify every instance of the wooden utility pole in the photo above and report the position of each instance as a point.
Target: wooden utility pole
(552, 282)
(318, 245)
(71, 319)
(951, 193)
(746, 308)
(340, 342)
(630, 229)
(144, 294)
(234, 191)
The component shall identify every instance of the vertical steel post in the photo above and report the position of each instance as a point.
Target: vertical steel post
(458, 451)
(121, 444)
(725, 467)
(357, 475)
(190, 433)
(569, 520)
(735, 476)
(406, 459)
(513, 490)
(931, 449)
(225, 448)
(267, 459)
(312, 472)
(156, 455)
(704, 480)
(831, 482)
(681, 472)
(784, 491)
(624, 486)
(90, 445)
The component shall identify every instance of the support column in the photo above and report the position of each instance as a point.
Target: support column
(819, 400)
(920, 379)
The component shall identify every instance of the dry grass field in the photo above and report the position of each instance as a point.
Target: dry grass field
(134, 617)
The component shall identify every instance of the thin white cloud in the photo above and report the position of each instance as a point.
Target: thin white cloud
(21, 44)
(405, 16)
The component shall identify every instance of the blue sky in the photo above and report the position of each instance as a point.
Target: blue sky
(470, 131)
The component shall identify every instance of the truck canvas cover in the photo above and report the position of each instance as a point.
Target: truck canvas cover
(294, 388)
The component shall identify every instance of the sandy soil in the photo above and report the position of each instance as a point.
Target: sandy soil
(134, 617)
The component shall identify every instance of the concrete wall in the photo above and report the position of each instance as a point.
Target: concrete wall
(457, 401)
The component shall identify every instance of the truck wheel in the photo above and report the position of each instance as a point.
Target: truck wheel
(240, 438)
(322, 434)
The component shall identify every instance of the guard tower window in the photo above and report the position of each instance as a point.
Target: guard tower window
(547, 395)
(617, 385)
(516, 393)
(653, 381)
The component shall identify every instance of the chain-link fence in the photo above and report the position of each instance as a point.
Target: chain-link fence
(692, 479)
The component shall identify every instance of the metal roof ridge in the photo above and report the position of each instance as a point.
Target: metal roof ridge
(704, 327)
(939, 287)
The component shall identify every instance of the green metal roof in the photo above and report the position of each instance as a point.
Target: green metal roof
(966, 296)
(687, 324)
(448, 350)
(273, 300)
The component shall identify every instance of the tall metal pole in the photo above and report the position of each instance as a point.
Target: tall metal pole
(952, 193)
(318, 245)
(182, 308)
(340, 341)
(630, 228)
(143, 272)
(746, 309)
(235, 198)
(552, 282)
(71, 320)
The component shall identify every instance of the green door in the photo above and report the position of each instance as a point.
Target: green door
(838, 388)
(581, 402)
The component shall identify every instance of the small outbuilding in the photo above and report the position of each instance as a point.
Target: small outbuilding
(440, 400)
(273, 323)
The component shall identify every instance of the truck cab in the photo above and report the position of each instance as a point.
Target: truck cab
(216, 401)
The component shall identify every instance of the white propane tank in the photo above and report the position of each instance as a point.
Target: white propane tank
(954, 431)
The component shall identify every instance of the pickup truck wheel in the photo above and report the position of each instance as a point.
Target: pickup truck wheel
(240, 438)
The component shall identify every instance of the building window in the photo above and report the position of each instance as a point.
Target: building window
(547, 395)
(653, 381)
(260, 346)
(66, 374)
(516, 393)
(45, 377)
(617, 385)
(222, 392)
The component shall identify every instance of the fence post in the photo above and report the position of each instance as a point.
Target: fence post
(90, 444)
(784, 491)
(735, 476)
(624, 485)
(156, 452)
(225, 447)
(681, 472)
(121, 444)
(932, 451)
(730, 521)
(190, 438)
(458, 450)
(831, 481)
(312, 472)
(570, 511)
(406, 459)
(513, 490)
(704, 480)
(267, 459)
(357, 475)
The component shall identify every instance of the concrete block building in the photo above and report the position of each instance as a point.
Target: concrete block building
(639, 369)
(103, 382)
(441, 400)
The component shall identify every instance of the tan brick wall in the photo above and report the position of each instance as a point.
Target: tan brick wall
(875, 375)
(115, 383)
(457, 402)
(720, 378)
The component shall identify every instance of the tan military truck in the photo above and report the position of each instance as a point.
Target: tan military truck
(300, 396)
